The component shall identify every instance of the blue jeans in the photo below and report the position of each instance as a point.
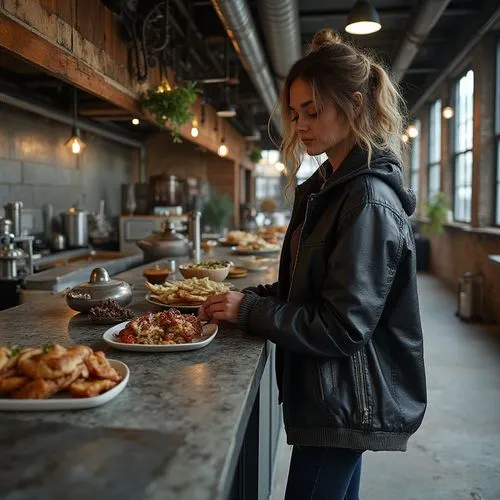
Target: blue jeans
(318, 473)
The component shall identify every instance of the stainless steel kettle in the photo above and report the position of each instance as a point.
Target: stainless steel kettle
(75, 228)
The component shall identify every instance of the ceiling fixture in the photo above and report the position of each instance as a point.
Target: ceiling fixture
(363, 19)
(222, 151)
(194, 128)
(226, 109)
(448, 112)
(135, 121)
(412, 131)
(75, 142)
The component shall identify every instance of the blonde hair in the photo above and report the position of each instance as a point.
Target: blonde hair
(336, 71)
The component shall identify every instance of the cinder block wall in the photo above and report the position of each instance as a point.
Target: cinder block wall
(36, 168)
(462, 248)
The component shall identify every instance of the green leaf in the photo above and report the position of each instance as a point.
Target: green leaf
(174, 105)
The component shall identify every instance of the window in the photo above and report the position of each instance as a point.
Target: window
(434, 170)
(415, 161)
(497, 134)
(462, 178)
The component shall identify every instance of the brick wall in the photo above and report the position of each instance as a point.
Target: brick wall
(36, 168)
(462, 248)
(186, 160)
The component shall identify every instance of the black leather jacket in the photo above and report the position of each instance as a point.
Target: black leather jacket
(350, 364)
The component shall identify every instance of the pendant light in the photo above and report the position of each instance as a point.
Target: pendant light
(226, 108)
(448, 112)
(75, 142)
(363, 19)
(194, 128)
(412, 131)
(223, 150)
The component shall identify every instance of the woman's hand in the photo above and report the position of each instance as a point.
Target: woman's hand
(224, 306)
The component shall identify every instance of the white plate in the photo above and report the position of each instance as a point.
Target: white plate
(64, 401)
(182, 308)
(262, 251)
(209, 333)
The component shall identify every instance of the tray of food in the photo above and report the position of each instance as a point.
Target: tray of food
(186, 294)
(53, 377)
(165, 331)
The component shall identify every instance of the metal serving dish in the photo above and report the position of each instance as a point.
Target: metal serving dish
(98, 289)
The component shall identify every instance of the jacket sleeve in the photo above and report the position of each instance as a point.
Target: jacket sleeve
(360, 272)
(263, 290)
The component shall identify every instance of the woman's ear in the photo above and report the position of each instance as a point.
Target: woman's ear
(358, 101)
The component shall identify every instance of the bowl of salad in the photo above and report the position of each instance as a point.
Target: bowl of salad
(215, 270)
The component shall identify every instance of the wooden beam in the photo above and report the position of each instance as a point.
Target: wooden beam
(47, 56)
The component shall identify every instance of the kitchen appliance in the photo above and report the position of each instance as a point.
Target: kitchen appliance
(13, 212)
(57, 242)
(75, 228)
(470, 297)
(98, 289)
(12, 259)
(164, 243)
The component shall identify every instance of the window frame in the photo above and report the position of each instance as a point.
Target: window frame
(462, 153)
(434, 163)
(496, 139)
(415, 154)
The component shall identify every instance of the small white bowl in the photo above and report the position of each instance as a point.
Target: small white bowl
(218, 274)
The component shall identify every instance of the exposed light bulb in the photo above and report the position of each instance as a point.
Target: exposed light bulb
(363, 28)
(75, 144)
(194, 132)
(222, 151)
(405, 138)
(448, 112)
(75, 147)
(279, 166)
(135, 121)
(412, 131)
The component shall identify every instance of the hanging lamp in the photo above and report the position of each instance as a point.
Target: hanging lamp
(75, 143)
(363, 19)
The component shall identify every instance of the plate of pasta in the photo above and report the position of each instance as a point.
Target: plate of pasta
(53, 377)
(165, 331)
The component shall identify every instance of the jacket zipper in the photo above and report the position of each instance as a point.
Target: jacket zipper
(311, 197)
(362, 386)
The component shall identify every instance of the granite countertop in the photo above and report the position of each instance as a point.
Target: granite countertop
(173, 433)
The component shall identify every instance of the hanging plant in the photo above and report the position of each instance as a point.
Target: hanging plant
(175, 105)
(255, 155)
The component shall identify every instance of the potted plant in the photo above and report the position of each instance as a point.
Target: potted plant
(217, 212)
(255, 155)
(175, 105)
(437, 213)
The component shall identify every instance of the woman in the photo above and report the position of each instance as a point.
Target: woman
(344, 313)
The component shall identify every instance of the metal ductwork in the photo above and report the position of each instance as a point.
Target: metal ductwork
(237, 20)
(280, 19)
(428, 15)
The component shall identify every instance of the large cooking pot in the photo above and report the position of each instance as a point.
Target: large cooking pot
(76, 228)
(165, 243)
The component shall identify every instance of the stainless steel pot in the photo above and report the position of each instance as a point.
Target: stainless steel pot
(12, 259)
(76, 228)
(99, 288)
(58, 242)
(166, 243)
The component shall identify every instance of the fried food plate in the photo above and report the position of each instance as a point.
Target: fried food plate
(111, 338)
(64, 401)
(188, 307)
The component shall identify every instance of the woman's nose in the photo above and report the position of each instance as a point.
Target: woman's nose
(301, 126)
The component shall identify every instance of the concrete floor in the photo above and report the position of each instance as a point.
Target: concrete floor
(455, 455)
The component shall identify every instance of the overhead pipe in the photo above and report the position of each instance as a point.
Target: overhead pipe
(489, 20)
(280, 20)
(238, 23)
(429, 13)
(81, 123)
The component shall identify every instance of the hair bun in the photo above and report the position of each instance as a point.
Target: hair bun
(325, 37)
